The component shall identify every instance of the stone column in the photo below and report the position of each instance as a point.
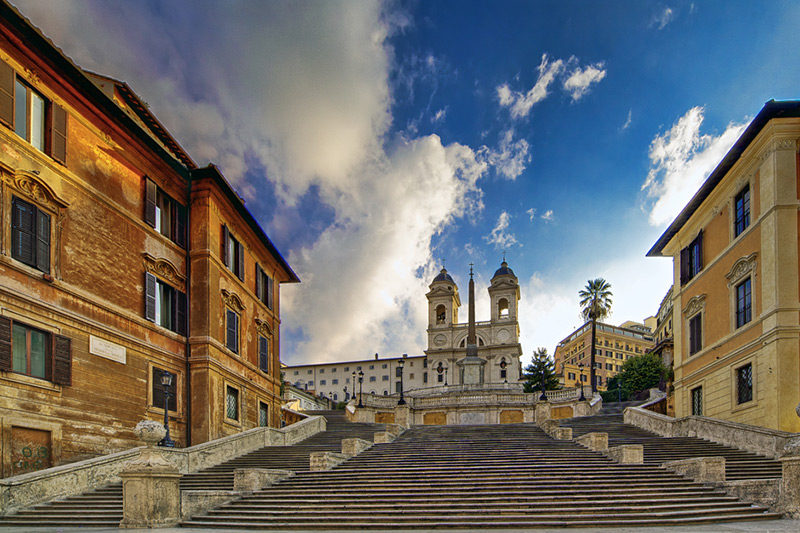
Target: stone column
(789, 502)
(150, 484)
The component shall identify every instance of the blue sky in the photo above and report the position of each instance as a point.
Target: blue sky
(376, 140)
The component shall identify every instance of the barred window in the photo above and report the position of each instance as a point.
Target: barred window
(232, 403)
(744, 383)
(263, 414)
(697, 401)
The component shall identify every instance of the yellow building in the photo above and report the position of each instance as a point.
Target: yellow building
(614, 346)
(736, 311)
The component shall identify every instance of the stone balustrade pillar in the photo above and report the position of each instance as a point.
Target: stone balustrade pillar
(150, 484)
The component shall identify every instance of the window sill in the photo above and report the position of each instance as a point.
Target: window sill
(745, 405)
(232, 422)
(23, 379)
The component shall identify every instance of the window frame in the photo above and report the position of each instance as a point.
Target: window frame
(238, 404)
(232, 253)
(696, 400)
(157, 390)
(263, 353)
(156, 201)
(53, 117)
(691, 259)
(741, 216)
(58, 352)
(263, 407)
(744, 374)
(744, 302)
(154, 288)
(232, 338)
(265, 287)
(40, 235)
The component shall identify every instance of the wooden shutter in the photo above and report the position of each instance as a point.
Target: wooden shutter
(6, 93)
(43, 242)
(180, 312)
(269, 291)
(150, 297)
(232, 327)
(240, 261)
(62, 360)
(59, 136)
(684, 265)
(23, 231)
(259, 285)
(151, 196)
(226, 236)
(263, 354)
(180, 225)
(6, 361)
(699, 241)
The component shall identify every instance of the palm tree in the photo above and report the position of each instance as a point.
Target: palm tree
(595, 305)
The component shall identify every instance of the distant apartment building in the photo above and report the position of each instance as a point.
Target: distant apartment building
(339, 381)
(735, 297)
(614, 346)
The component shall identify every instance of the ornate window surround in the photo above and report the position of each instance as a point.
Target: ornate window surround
(742, 269)
(695, 306)
(32, 188)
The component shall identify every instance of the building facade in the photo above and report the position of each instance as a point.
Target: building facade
(735, 303)
(120, 260)
(614, 346)
(339, 381)
(497, 339)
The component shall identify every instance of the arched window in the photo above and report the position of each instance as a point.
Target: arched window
(441, 314)
(335, 397)
(386, 393)
(502, 308)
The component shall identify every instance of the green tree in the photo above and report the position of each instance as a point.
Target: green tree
(595, 305)
(637, 374)
(541, 363)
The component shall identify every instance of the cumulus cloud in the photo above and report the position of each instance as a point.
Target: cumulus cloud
(500, 237)
(548, 216)
(439, 116)
(510, 158)
(575, 81)
(310, 109)
(531, 213)
(680, 161)
(577, 84)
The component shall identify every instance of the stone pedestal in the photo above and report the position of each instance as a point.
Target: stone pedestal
(595, 441)
(150, 484)
(627, 454)
(702, 469)
(402, 416)
(471, 368)
(789, 501)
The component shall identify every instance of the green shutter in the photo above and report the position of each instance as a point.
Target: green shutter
(62, 360)
(59, 136)
(5, 344)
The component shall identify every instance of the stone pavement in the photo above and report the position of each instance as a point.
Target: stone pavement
(760, 526)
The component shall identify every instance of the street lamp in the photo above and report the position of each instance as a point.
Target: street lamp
(582, 398)
(166, 382)
(445, 376)
(402, 400)
(346, 397)
(543, 397)
(360, 388)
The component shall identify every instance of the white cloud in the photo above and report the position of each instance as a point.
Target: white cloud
(548, 216)
(627, 121)
(499, 237)
(439, 116)
(511, 158)
(578, 83)
(681, 160)
(663, 18)
(575, 81)
(531, 213)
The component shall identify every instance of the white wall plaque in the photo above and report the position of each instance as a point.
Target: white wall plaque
(107, 349)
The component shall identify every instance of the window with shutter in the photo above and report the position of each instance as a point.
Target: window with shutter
(62, 361)
(164, 214)
(232, 331)
(30, 235)
(164, 304)
(263, 354)
(692, 259)
(31, 116)
(226, 259)
(33, 352)
(5, 344)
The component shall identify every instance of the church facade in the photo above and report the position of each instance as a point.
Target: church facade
(497, 339)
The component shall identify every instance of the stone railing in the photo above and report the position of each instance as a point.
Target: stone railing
(764, 441)
(439, 390)
(32, 488)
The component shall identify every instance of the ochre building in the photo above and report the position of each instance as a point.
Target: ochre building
(613, 346)
(736, 309)
(120, 260)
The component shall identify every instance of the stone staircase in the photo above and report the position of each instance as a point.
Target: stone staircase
(510, 476)
(103, 507)
(739, 464)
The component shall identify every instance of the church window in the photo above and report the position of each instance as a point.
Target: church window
(502, 308)
(441, 314)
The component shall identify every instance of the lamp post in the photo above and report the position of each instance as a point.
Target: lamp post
(402, 400)
(582, 398)
(346, 397)
(166, 382)
(360, 388)
(445, 376)
(543, 397)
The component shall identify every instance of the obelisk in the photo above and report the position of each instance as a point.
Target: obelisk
(471, 367)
